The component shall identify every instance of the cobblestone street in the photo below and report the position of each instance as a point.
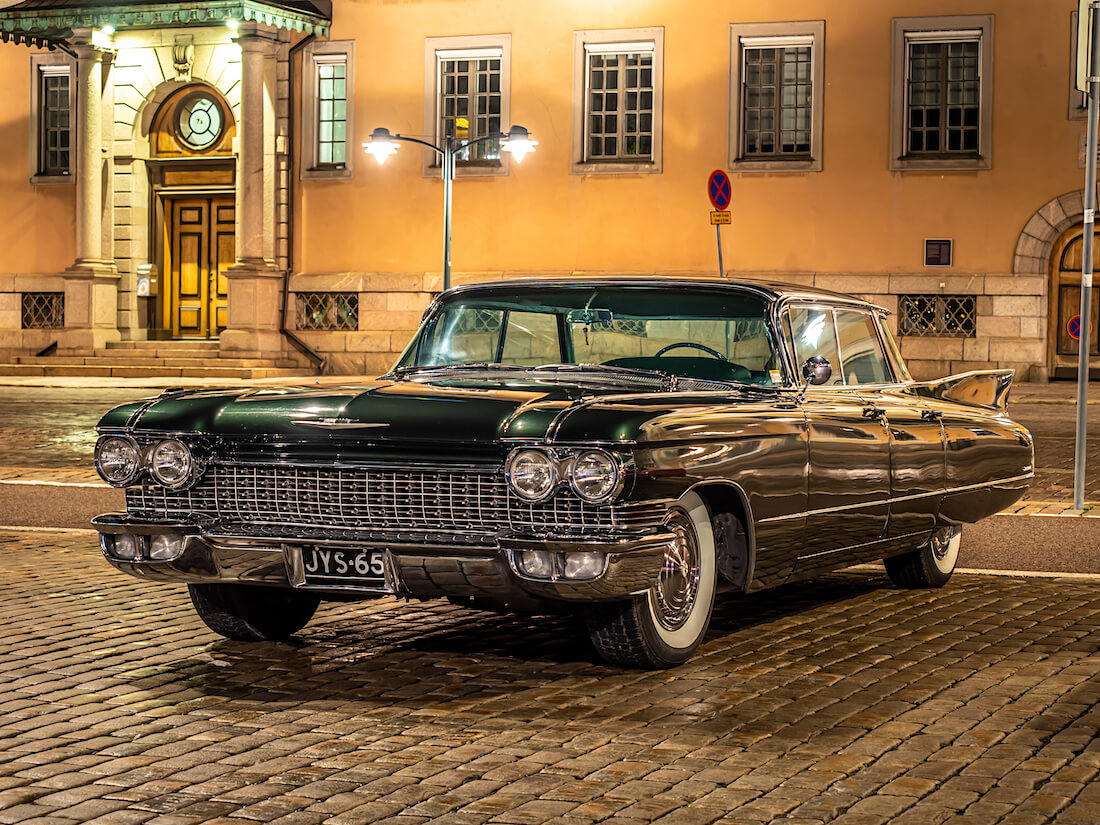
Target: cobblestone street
(838, 701)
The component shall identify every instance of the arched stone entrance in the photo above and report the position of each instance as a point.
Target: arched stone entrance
(1045, 247)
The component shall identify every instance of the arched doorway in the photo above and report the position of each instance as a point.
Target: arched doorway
(192, 171)
(1066, 262)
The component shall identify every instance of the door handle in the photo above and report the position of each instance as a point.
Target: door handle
(931, 415)
(874, 413)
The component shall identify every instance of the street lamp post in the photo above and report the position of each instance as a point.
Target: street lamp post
(382, 144)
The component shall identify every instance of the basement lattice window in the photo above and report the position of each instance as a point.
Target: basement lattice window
(328, 311)
(945, 316)
(43, 310)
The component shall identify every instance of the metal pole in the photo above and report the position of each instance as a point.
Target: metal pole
(1084, 345)
(718, 234)
(448, 179)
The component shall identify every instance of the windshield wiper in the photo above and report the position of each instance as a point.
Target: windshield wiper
(669, 381)
(414, 368)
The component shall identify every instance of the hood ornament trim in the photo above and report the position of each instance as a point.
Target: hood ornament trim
(337, 424)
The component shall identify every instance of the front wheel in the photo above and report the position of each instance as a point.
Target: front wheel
(931, 564)
(663, 627)
(247, 613)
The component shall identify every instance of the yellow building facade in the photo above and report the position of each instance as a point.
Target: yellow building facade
(927, 155)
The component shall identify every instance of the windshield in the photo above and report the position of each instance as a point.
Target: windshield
(707, 334)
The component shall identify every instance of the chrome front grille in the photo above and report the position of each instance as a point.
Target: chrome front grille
(363, 500)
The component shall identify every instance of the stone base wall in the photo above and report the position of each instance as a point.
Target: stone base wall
(1011, 328)
(90, 298)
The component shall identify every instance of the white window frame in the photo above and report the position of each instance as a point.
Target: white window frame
(615, 41)
(776, 35)
(438, 49)
(54, 63)
(907, 30)
(317, 54)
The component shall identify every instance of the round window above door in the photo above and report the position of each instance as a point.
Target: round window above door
(199, 121)
(192, 121)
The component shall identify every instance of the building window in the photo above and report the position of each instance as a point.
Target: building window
(943, 97)
(466, 96)
(332, 112)
(327, 104)
(327, 311)
(617, 115)
(941, 116)
(43, 310)
(943, 316)
(470, 100)
(54, 158)
(776, 81)
(620, 106)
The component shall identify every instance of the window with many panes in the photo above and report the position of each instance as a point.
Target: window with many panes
(778, 103)
(471, 97)
(943, 95)
(775, 116)
(466, 97)
(942, 114)
(327, 109)
(56, 129)
(332, 111)
(53, 157)
(617, 120)
(620, 103)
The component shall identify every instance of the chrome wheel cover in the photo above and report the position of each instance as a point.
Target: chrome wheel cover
(940, 543)
(677, 586)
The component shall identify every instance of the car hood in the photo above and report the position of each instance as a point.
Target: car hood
(460, 412)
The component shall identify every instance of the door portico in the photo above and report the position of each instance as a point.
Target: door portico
(209, 63)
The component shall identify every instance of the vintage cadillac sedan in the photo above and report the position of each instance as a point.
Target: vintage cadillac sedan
(625, 448)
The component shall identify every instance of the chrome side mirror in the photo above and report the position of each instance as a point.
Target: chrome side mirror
(817, 370)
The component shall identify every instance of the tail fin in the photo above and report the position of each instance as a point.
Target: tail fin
(981, 388)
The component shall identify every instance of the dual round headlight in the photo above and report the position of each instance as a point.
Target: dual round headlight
(534, 475)
(171, 463)
(119, 461)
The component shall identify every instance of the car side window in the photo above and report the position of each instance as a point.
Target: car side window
(813, 333)
(862, 357)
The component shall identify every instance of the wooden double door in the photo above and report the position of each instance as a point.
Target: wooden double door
(202, 246)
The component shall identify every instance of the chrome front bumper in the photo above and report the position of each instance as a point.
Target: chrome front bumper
(418, 570)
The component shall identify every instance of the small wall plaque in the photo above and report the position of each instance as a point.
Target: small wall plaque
(937, 252)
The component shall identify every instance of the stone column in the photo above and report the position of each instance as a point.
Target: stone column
(91, 283)
(255, 286)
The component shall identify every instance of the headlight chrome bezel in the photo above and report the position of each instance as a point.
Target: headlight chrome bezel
(552, 463)
(191, 472)
(138, 460)
(615, 476)
(562, 462)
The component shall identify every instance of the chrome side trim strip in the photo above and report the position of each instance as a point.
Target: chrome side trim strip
(879, 502)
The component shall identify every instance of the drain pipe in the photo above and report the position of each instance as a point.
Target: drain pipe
(314, 357)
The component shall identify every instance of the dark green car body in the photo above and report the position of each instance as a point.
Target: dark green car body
(410, 469)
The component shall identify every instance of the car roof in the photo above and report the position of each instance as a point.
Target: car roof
(773, 290)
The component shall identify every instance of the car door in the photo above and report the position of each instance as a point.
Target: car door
(849, 450)
(913, 426)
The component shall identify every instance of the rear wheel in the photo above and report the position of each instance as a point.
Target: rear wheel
(663, 627)
(247, 613)
(931, 564)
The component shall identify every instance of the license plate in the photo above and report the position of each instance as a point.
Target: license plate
(330, 566)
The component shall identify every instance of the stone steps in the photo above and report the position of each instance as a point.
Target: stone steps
(95, 370)
(151, 360)
(178, 343)
(150, 352)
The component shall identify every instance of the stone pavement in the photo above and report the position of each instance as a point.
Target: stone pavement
(841, 701)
